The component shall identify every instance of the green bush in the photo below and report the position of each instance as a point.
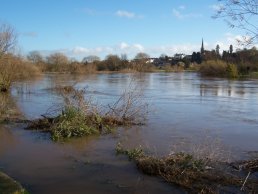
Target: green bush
(74, 123)
(218, 68)
(232, 71)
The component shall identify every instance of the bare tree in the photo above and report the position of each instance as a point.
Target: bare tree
(90, 59)
(240, 14)
(8, 38)
(57, 59)
(141, 56)
(35, 57)
(57, 62)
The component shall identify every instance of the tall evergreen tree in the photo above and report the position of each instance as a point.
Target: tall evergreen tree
(199, 58)
(217, 50)
(231, 49)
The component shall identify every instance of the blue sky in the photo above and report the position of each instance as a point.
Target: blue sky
(79, 28)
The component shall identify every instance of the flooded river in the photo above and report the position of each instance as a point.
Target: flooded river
(183, 109)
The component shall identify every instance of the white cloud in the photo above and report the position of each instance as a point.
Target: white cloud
(138, 47)
(178, 13)
(123, 46)
(79, 52)
(127, 14)
(122, 13)
(225, 41)
(93, 12)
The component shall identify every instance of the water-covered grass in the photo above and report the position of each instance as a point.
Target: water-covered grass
(197, 175)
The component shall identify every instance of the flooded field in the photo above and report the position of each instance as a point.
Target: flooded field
(184, 109)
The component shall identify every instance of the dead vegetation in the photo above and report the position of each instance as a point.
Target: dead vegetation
(197, 175)
(8, 109)
(81, 116)
(14, 68)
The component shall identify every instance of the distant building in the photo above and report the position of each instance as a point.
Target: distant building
(188, 57)
(179, 56)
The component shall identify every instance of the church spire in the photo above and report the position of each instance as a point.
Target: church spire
(202, 48)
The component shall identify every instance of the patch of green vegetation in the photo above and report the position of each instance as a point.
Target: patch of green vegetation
(219, 68)
(73, 122)
(132, 154)
(254, 75)
(10, 186)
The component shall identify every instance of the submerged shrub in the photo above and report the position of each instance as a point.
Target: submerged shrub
(193, 174)
(133, 154)
(80, 116)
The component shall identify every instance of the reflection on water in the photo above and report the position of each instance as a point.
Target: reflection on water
(182, 105)
(8, 140)
(8, 107)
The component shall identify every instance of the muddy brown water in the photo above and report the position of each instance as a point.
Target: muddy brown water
(183, 106)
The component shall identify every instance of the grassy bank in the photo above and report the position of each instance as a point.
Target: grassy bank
(254, 75)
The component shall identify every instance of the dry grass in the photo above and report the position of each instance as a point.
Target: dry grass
(14, 68)
(188, 172)
(194, 174)
(130, 107)
(8, 109)
(207, 147)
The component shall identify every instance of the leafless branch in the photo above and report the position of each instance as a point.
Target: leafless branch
(241, 14)
(8, 38)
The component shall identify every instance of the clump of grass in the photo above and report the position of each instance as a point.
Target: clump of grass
(188, 172)
(132, 154)
(72, 123)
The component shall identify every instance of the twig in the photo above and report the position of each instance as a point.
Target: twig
(243, 186)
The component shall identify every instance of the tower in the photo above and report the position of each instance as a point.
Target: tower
(202, 48)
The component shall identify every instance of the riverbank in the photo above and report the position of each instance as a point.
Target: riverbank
(10, 186)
